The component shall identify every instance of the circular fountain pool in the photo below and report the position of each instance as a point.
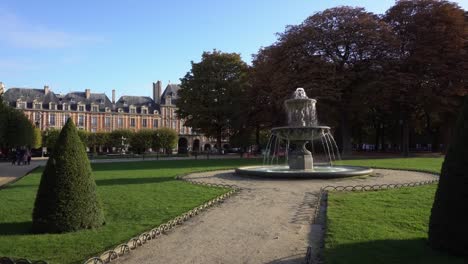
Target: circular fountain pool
(318, 172)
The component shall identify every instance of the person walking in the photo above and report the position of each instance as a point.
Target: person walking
(28, 156)
(18, 156)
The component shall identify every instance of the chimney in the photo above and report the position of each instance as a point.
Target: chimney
(46, 89)
(87, 93)
(113, 96)
(157, 92)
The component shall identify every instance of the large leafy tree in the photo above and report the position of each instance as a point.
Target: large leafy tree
(429, 76)
(67, 200)
(331, 54)
(15, 127)
(447, 226)
(212, 94)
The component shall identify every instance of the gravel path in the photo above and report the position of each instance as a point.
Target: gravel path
(269, 221)
(9, 172)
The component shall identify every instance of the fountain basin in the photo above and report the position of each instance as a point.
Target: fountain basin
(318, 172)
(300, 132)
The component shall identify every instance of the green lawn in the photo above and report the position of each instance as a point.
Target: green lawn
(137, 196)
(386, 226)
(425, 164)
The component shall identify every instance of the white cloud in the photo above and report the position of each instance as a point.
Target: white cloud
(20, 33)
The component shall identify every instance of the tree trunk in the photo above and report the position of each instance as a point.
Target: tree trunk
(405, 138)
(218, 142)
(345, 133)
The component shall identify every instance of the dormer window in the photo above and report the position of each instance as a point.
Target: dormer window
(81, 108)
(120, 110)
(132, 109)
(144, 110)
(108, 109)
(52, 106)
(101, 101)
(37, 105)
(95, 108)
(168, 100)
(125, 103)
(66, 107)
(156, 112)
(21, 104)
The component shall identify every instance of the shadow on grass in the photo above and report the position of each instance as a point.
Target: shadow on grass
(126, 181)
(17, 228)
(412, 251)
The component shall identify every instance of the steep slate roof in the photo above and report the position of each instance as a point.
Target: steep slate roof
(99, 99)
(125, 101)
(29, 95)
(171, 90)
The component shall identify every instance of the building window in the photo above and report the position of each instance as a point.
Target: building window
(155, 123)
(65, 118)
(144, 111)
(120, 122)
(108, 109)
(37, 118)
(94, 121)
(155, 112)
(132, 122)
(52, 119)
(52, 106)
(144, 123)
(132, 110)
(21, 105)
(168, 100)
(81, 108)
(95, 108)
(107, 121)
(120, 110)
(81, 120)
(174, 124)
(37, 105)
(66, 107)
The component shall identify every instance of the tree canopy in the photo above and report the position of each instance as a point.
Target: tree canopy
(212, 94)
(372, 75)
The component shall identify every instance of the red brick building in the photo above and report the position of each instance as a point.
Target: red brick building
(95, 112)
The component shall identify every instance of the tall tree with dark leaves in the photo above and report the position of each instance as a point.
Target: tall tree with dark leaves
(213, 93)
(429, 75)
(330, 54)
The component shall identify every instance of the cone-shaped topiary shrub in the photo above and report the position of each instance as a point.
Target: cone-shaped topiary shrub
(448, 229)
(67, 200)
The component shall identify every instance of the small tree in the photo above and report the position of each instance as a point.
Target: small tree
(141, 140)
(115, 137)
(447, 226)
(51, 137)
(37, 138)
(67, 200)
(166, 139)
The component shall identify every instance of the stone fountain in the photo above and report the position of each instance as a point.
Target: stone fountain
(302, 131)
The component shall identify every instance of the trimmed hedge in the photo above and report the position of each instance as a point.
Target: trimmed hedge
(448, 230)
(67, 200)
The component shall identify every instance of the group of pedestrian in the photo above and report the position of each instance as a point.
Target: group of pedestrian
(22, 156)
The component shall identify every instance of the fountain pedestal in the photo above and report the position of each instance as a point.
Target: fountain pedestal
(300, 158)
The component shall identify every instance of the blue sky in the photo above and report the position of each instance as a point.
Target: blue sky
(126, 45)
